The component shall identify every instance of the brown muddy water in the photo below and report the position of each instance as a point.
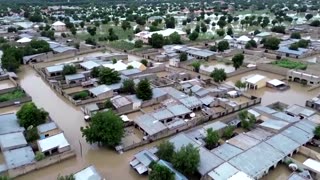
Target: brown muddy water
(110, 164)
(70, 118)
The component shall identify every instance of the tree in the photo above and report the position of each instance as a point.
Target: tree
(82, 24)
(92, 30)
(128, 86)
(141, 21)
(144, 90)
(194, 36)
(228, 132)
(91, 41)
(39, 156)
(237, 60)
(197, 28)
(144, 62)
(272, 43)
(11, 58)
(315, 23)
(170, 22)
(223, 45)
(156, 40)
(196, 66)
(175, 38)
(66, 177)
(250, 44)
(221, 23)
(218, 75)
(105, 128)
(247, 120)
(203, 27)
(294, 46)
(317, 132)
(303, 43)
(130, 67)
(69, 69)
(5, 178)
(125, 25)
(183, 56)
(308, 17)
(220, 32)
(212, 139)
(30, 115)
(165, 150)
(230, 31)
(295, 35)
(31, 134)
(239, 84)
(95, 72)
(160, 172)
(279, 29)
(187, 159)
(188, 31)
(73, 31)
(108, 76)
(138, 43)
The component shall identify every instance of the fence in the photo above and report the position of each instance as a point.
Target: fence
(40, 164)
(273, 69)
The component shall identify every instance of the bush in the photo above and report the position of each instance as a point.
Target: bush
(81, 95)
(138, 44)
(285, 63)
(295, 35)
(39, 156)
(16, 94)
(69, 69)
(32, 134)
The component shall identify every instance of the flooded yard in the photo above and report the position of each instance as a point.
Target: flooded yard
(281, 172)
(134, 115)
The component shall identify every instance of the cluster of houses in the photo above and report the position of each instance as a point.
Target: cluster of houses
(249, 155)
(19, 155)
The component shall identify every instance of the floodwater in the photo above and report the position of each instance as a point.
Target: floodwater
(70, 118)
(6, 84)
(279, 173)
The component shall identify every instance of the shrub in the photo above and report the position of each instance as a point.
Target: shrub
(81, 95)
(39, 156)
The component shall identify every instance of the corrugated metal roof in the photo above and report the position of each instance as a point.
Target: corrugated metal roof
(47, 127)
(99, 90)
(226, 151)
(283, 144)
(179, 110)
(149, 124)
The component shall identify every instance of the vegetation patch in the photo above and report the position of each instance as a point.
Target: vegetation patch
(81, 95)
(286, 63)
(16, 94)
(123, 45)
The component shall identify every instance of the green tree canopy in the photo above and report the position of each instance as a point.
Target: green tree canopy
(220, 32)
(160, 172)
(144, 62)
(30, 115)
(144, 90)
(128, 86)
(295, 35)
(183, 56)
(165, 151)
(237, 60)
(317, 132)
(223, 45)
(187, 159)
(212, 139)
(138, 43)
(156, 40)
(272, 43)
(175, 38)
(194, 36)
(108, 76)
(66, 177)
(105, 127)
(196, 66)
(69, 69)
(228, 132)
(218, 75)
(230, 31)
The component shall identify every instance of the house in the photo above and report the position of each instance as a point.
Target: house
(54, 144)
(256, 81)
(24, 40)
(299, 111)
(48, 129)
(218, 127)
(19, 157)
(179, 110)
(286, 52)
(59, 26)
(142, 160)
(101, 92)
(192, 103)
(131, 72)
(9, 124)
(314, 103)
(163, 115)
(121, 104)
(55, 70)
(303, 77)
(154, 18)
(12, 141)
(75, 78)
(149, 125)
(277, 84)
(88, 173)
(90, 109)
(89, 65)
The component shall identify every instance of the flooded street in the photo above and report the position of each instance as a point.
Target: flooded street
(110, 164)
(70, 119)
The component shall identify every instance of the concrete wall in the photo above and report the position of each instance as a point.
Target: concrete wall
(273, 69)
(40, 164)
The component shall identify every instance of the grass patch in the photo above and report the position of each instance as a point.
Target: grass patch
(104, 30)
(16, 94)
(123, 45)
(285, 63)
(81, 95)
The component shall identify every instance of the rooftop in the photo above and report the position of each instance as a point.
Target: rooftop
(99, 90)
(226, 151)
(178, 175)
(191, 102)
(283, 144)
(162, 114)
(182, 140)
(9, 124)
(56, 68)
(56, 141)
(274, 124)
(89, 173)
(243, 141)
(19, 157)
(145, 157)
(12, 141)
(300, 51)
(120, 101)
(223, 172)
(299, 110)
(208, 161)
(88, 65)
(74, 77)
(178, 110)
(149, 124)
(215, 126)
(297, 135)
(47, 127)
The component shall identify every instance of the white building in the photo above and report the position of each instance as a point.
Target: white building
(59, 26)
(145, 35)
(54, 144)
